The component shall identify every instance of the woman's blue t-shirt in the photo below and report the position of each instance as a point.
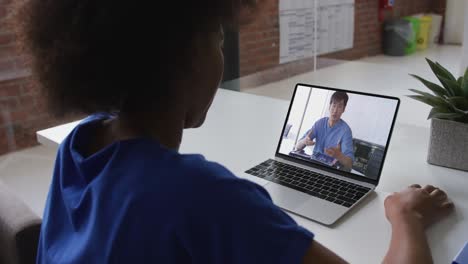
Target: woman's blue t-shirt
(138, 202)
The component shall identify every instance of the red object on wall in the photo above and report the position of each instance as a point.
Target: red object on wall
(385, 5)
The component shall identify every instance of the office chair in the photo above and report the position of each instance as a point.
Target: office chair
(19, 230)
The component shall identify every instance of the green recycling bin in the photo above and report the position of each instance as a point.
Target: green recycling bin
(412, 44)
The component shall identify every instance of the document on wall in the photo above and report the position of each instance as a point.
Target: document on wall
(333, 21)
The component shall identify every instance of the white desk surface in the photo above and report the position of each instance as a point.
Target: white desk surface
(242, 130)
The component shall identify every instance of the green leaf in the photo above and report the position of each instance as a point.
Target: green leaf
(459, 102)
(464, 84)
(422, 93)
(447, 73)
(437, 89)
(431, 100)
(449, 116)
(439, 70)
(451, 86)
(439, 110)
(458, 110)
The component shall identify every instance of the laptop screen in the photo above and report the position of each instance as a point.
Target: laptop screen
(341, 130)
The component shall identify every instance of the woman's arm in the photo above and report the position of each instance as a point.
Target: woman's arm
(409, 213)
(319, 254)
(408, 244)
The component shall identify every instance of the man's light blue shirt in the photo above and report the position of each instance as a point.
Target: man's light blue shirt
(327, 137)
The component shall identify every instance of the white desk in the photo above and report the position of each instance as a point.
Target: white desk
(242, 130)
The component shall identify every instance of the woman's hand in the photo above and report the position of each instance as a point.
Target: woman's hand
(415, 204)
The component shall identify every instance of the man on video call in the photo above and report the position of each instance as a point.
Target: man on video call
(332, 135)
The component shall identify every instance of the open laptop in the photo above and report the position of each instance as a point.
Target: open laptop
(325, 179)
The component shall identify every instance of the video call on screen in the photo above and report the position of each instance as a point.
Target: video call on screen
(341, 130)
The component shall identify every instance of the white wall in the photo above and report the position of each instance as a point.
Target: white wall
(297, 110)
(464, 60)
(315, 109)
(295, 117)
(315, 106)
(454, 20)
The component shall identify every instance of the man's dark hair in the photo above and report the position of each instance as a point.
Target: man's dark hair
(339, 96)
(109, 55)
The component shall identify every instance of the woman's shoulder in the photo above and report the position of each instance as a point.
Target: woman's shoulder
(191, 179)
(201, 177)
(171, 168)
(201, 174)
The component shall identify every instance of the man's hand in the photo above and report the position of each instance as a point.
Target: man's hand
(334, 152)
(308, 141)
(305, 142)
(423, 205)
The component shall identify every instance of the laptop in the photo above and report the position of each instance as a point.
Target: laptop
(317, 171)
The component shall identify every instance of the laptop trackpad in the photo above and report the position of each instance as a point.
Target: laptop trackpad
(285, 197)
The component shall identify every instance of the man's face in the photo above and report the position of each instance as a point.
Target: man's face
(337, 108)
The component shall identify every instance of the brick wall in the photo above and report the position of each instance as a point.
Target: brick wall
(22, 112)
(22, 108)
(439, 6)
(259, 41)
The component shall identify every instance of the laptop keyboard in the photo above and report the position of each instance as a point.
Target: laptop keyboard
(318, 185)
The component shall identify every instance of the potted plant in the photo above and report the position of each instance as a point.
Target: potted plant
(448, 144)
